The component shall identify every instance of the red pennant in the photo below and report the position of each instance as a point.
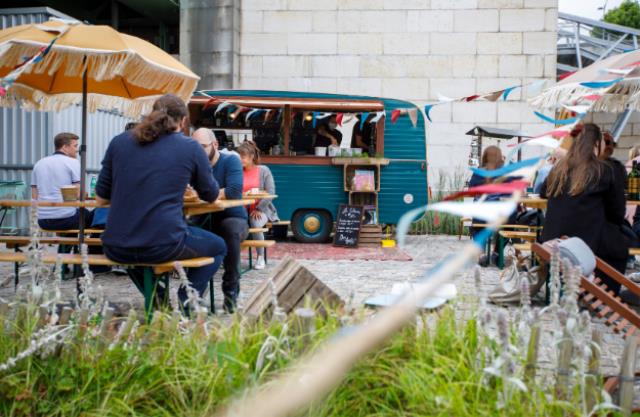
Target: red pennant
(565, 75)
(210, 103)
(339, 117)
(503, 188)
(394, 115)
(592, 97)
(471, 98)
(633, 64)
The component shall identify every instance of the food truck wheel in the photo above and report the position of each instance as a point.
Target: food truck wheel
(311, 226)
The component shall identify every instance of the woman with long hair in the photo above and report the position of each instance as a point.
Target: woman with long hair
(586, 201)
(257, 176)
(145, 172)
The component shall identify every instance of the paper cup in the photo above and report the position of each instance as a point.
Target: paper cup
(321, 151)
(69, 193)
(333, 151)
(356, 151)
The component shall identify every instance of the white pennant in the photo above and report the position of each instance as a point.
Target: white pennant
(580, 109)
(413, 116)
(536, 87)
(546, 141)
(444, 99)
(221, 106)
(487, 211)
(379, 115)
(625, 71)
(323, 115)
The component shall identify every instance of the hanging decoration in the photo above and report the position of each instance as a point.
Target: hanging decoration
(551, 120)
(502, 188)
(413, 116)
(363, 118)
(221, 106)
(339, 117)
(379, 115)
(506, 169)
(601, 84)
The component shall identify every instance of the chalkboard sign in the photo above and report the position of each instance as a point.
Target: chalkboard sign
(348, 222)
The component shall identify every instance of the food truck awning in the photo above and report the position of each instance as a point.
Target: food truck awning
(297, 103)
(493, 132)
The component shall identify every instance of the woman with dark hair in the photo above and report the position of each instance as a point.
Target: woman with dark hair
(144, 175)
(586, 201)
(257, 176)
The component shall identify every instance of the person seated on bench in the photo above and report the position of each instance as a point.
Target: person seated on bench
(586, 201)
(49, 175)
(257, 176)
(144, 175)
(231, 224)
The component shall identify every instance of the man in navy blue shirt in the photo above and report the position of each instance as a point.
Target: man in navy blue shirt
(144, 175)
(231, 224)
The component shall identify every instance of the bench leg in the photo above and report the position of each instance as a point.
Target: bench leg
(149, 290)
(211, 299)
(250, 259)
(500, 252)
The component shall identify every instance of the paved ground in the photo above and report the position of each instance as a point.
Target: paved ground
(361, 279)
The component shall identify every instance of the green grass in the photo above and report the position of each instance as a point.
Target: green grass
(436, 369)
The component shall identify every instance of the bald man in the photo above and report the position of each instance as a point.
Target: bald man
(231, 224)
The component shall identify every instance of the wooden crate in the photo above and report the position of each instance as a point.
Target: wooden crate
(370, 235)
(294, 285)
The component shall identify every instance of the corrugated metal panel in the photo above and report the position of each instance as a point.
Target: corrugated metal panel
(101, 128)
(26, 137)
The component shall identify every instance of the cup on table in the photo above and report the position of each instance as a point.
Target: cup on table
(534, 195)
(321, 150)
(69, 193)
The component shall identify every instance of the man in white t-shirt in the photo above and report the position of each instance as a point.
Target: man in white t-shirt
(55, 171)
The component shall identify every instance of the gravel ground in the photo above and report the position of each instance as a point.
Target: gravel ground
(360, 280)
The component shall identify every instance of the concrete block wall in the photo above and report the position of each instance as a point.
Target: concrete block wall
(630, 134)
(407, 49)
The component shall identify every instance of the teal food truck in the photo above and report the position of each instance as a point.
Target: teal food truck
(379, 164)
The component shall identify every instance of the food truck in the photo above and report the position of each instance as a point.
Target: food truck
(380, 162)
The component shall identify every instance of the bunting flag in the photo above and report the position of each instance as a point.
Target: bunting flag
(363, 118)
(394, 115)
(413, 116)
(471, 98)
(209, 103)
(237, 112)
(314, 118)
(535, 87)
(445, 99)
(601, 84)
(615, 71)
(221, 106)
(266, 114)
(494, 96)
(631, 65)
(506, 169)
(427, 110)
(324, 115)
(591, 97)
(251, 113)
(503, 188)
(488, 211)
(379, 115)
(548, 119)
(7, 81)
(507, 91)
(579, 109)
(339, 117)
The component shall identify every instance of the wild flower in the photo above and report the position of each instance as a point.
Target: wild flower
(40, 340)
(194, 301)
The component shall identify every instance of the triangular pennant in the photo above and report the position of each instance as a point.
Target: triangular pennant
(394, 115)
(615, 71)
(363, 118)
(221, 106)
(210, 103)
(314, 118)
(379, 115)
(488, 211)
(601, 84)
(548, 119)
(535, 87)
(237, 112)
(494, 96)
(413, 116)
(591, 97)
(507, 91)
(427, 110)
(580, 109)
(324, 115)
(339, 117)
(444, 99)
(502, 188)
(267, 114)
(471, 98)
(633, 64)
(506, 169)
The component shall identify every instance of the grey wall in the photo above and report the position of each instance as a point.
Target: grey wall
(210, 40)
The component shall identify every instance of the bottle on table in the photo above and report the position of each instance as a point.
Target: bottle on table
(92, 186)
(633, 182)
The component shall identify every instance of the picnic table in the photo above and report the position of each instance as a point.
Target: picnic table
(190, 208)
(541, 203)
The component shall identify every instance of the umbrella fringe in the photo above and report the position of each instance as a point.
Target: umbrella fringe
(103, 66)
(615, 99)
(31, 99)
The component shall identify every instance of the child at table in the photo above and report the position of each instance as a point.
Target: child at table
(257, 176)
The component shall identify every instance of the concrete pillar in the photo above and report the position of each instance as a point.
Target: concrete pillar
(209, 40)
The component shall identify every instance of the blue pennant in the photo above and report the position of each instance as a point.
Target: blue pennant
(601, 84)
(363, 118)
(482, 237)
(314, 119)
(569, 121)
(427, 109)
(506, 169)
(508, 91)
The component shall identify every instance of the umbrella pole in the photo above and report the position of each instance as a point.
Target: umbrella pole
(83, 167)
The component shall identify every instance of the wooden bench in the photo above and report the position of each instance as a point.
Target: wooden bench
(634, 251)
(258, 230)
(74, 231)
(279, 223)
(601, 301)
(18, 241)
(150, 270)
(249, 244)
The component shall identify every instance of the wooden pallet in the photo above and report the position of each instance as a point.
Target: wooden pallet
(370, 236)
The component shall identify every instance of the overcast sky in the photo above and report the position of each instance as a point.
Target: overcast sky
(587, 8)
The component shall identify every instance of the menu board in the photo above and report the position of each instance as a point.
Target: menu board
(348, 222)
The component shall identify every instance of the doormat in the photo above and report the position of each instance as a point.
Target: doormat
(327, 251)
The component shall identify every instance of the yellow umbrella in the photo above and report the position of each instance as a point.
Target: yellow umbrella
(124, 73)
(56, 64)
